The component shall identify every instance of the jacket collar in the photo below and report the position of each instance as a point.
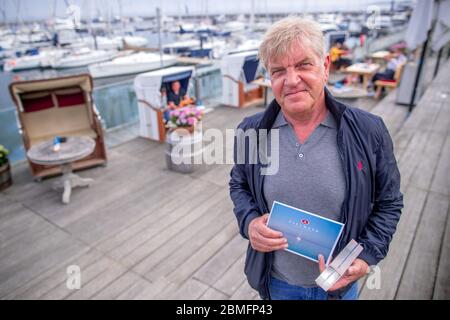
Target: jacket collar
(336, 108)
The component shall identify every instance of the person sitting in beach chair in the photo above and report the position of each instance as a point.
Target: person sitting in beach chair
(176, 98)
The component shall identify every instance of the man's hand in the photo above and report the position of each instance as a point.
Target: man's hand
(358, 269)
(264, 239)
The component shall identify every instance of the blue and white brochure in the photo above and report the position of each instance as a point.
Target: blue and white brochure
(308, 234)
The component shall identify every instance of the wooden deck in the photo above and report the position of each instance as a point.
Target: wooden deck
(418, 263)
(139, 232)
(143, 232)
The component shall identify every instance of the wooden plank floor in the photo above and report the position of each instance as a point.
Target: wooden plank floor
(139, 232)
(417, 266)
(143, 232)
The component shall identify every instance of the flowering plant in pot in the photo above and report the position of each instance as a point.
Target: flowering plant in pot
(185, 118)
(5, 171)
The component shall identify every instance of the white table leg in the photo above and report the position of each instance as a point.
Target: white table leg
(67, 192)
(66, 170)
(77, 181)
(68, 181)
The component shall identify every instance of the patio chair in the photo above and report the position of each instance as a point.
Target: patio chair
(58, 107)
(389, 84)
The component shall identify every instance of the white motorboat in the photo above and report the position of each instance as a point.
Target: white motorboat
(104, 43)
(221, 48)
(135, 41)
(248, 45)
(328, 27)
(48, 56)
(234, 26)
(181, 47)
(82, 58)
(114, 43)
(131, 64)
(22, 63)
(33, 37)
(245, 45)
(7, 42)
(41, 60)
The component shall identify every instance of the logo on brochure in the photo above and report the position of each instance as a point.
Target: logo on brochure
(303, 223)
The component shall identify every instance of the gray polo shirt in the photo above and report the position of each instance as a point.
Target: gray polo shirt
(310, 177)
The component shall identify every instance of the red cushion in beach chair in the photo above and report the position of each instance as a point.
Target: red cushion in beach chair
(70, 100)
(37, 104)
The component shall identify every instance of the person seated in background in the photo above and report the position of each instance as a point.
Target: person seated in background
(394, 60)
(336, 53)
(177, 97)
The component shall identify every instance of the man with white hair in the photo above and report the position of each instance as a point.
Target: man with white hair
(334, 160)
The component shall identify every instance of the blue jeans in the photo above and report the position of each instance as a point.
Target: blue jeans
(166, 115)
(280, 290)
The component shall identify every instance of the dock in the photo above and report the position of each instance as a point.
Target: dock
(418, 262)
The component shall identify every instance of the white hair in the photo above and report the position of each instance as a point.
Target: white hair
(280, 37)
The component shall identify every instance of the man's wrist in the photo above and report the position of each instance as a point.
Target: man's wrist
(252, 216)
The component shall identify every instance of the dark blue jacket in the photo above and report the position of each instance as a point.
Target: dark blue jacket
(373, 201)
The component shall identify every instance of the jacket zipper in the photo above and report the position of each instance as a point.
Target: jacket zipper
(265, 209)
(345, 204)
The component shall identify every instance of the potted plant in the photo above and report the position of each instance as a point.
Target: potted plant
(5, 171)
(185, 119)
(184, 147)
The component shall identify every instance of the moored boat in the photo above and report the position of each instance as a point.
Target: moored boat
(82, 57)
(134, 63)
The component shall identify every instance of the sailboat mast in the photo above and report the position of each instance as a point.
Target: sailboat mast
(108, 17)
(158, 23)
(122, 20)
(252, 17)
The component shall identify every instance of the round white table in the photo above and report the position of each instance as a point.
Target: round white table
(75, 148)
